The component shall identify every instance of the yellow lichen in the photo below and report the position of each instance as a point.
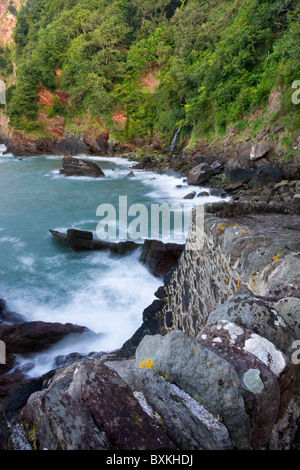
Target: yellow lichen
(276, 257)
(147, 365)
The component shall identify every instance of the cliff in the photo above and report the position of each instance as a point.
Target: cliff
(146, 74)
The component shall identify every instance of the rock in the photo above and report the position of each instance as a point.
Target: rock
(296, 200)
(70, 146)
(19, 396)
(153, 323)
(289, 309)
(35, 336)
(202, 374)
(260, 149)
(20, 144)
(265, 374)
(239, 170)
(200, 174)
(189, 425)
(79, 240)
(285, 281)
(130, 175)
(265, 174)
(97, 142)
(161, 293)
(258, 316)
(234, 186)
(160, 257)
(190, 195)
(9, 317)
(66, 360)
(291, 170)
(78, 167)
(88, 406)
(82, 234)
(203, 194)
(147, 163)
(217, 165)
(53, 420)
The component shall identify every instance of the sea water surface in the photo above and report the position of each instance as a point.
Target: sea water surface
(44, 281)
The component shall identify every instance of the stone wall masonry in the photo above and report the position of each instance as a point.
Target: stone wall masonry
(245, 252)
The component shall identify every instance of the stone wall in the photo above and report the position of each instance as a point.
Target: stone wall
(243, 251)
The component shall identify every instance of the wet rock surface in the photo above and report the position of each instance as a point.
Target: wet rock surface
(79, 167)
(80, 240)
(160, 257)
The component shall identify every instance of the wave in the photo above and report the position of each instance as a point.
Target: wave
(107, 300)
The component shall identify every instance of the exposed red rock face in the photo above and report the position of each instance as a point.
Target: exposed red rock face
(45, 97)
(7, 21)
(53, 126)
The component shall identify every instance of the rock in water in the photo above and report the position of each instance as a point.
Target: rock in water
(77, 167)
(160, 257)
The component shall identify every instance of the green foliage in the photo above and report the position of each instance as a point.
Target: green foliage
(216, 61)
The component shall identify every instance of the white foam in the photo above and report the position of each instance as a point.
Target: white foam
(13, 241)
(110, 305)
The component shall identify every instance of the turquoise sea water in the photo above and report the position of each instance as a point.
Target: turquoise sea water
(43, 280)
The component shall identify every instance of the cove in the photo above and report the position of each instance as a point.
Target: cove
(43, 281)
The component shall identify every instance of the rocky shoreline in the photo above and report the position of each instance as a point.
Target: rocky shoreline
(214, 364)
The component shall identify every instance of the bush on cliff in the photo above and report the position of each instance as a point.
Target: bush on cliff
(204, 66)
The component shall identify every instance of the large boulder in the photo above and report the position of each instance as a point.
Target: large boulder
(247, 388)
(189, 424)
(160, 257)
(204, 375)
(78, 167)
(248, 351)
(258, 316)
(256, 172)
(200, 174)
(260, 149)
(88, 406)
